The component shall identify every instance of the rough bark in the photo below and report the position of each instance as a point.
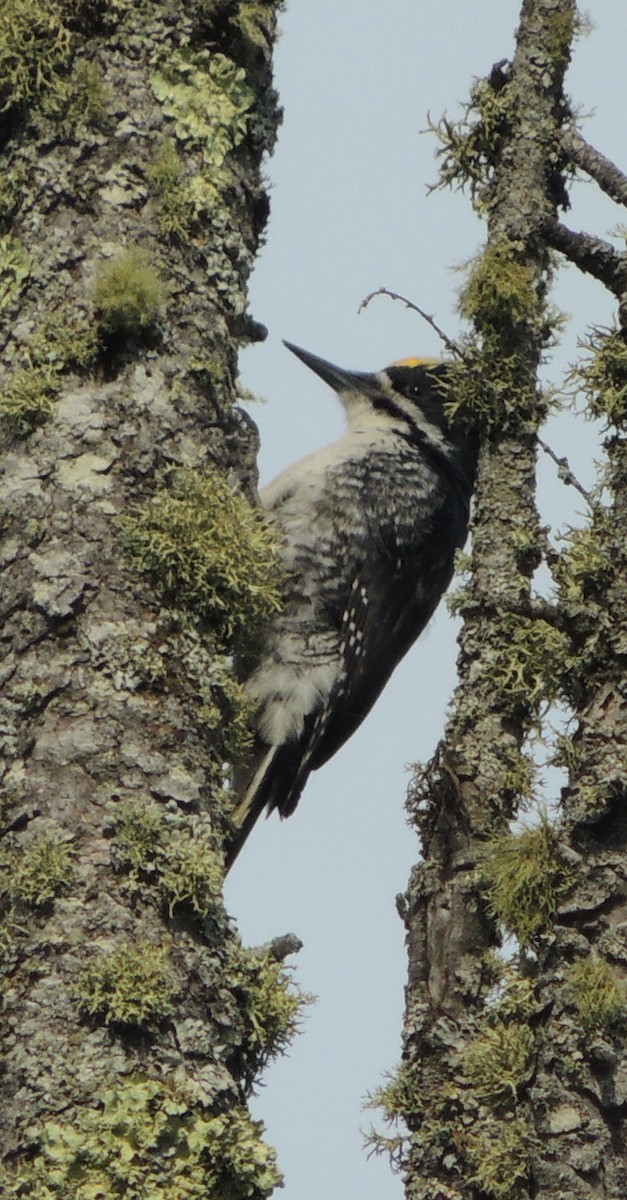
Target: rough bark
(579, 1093)
(132, 206)
(579, 1090)
(464, 1139)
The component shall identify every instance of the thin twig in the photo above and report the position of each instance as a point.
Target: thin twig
(564, 472)
(382, 291)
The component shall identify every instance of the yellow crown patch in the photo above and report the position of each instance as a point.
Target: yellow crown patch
(416, 362)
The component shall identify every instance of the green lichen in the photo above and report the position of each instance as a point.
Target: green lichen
(271, 1007)
(251, 19)
(15, 268)
(167, 177)
(148, 1138)
(514, 1000)
(63, 343)
(475, 1107)
(148, 664)
(530, 662)
(600, 999)
(138, 836)
(190, 872)
(207, 551)
(458, 598)
(12, 188)
(497, 1061)
(38, 40)
(399, 1098)
(128, 986)
(90, 94)
(58, 344)
(183, 863)
(524, 875)
(220, 701)
(35, 47)
(27, 697)
(209, 100)
(587, 572)
(210, 376)
(488, 385)
(518, 781)
(469, 149)
(27, 398)
(560, 31)
(585, 567)
(226, 709)
(212, 109)
(128, 293)
(567, 753)
(501, 290)
(602, 376)
(484, 390)
(38, 873)
(499, 1153)
(82, 100)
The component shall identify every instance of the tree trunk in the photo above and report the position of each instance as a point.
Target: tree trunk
(134, 1022)
(512, 1078)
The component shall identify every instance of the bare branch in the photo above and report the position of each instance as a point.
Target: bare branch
(382, 291)
(279, 948)
(610, 179)
(593, 255)
(532, 608)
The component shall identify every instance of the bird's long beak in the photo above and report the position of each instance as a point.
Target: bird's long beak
(336, 377)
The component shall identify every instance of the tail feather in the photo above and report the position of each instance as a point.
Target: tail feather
(276, 782)
(251, 805)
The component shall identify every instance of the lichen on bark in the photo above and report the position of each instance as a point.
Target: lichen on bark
(132, 1015)
(491, 1108)
(527, 1099)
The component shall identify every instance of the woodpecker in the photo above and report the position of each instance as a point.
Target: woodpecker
(368, 528)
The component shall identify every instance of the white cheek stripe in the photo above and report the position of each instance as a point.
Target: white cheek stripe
(415, 417)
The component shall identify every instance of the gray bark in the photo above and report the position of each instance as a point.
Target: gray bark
(132, 1016)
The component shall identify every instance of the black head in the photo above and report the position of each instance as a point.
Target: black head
(422, 382)
(413, 392)
(414, 387)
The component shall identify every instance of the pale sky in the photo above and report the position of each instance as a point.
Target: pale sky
(350, 213)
